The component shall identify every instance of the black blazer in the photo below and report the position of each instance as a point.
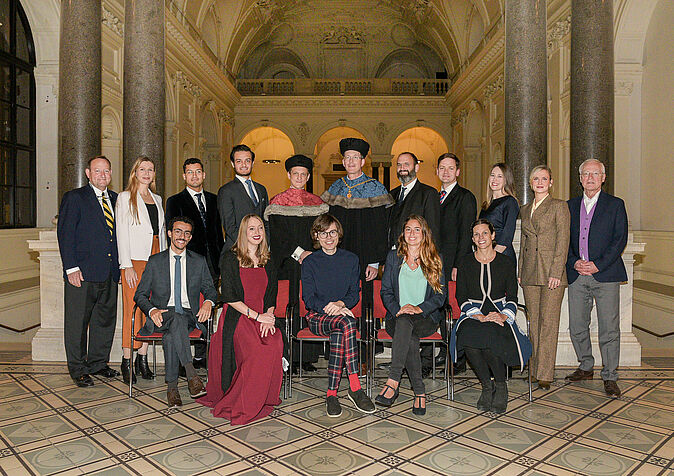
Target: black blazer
(182, 204)
(232, 291)
(607, 238)
(234, 203)
(84, 238)
(390, 292)
(421, 200)
(457, 212)
(154, 289)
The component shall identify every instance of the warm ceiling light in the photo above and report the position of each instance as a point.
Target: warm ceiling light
(271, 161)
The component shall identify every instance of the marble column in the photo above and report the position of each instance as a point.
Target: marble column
(592, 93)
(79, 108)
(525, 91)
(144, 87)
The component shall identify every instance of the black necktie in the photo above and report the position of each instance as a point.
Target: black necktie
(402, 194)
(202, 209)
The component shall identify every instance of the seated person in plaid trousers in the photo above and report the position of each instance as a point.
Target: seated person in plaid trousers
(330, 287)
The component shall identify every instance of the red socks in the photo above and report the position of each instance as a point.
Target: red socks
(332, 393)
(354, 384)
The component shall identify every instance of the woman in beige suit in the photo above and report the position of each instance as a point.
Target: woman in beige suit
(140, 233)
(542, 270)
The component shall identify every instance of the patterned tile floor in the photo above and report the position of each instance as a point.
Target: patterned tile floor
(48, 426)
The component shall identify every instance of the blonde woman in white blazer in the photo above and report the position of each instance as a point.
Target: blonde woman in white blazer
(141, 232)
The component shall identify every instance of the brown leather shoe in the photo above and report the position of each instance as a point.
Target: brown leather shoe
(196, 387)
(173, 398)
(544, 384)
(580, 374)
(611, 388)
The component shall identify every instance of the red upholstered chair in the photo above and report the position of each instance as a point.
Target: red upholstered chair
(283, 311)
(195, 335)
(380, 335)
(306, 335)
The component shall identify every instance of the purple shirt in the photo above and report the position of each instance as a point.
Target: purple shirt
(584, 235)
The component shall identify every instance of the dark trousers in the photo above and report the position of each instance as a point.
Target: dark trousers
(406, 329)
(485, 364)
(90, 318)
(176, 328)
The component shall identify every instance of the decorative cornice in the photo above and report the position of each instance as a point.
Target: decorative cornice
(494, 87)
(624, 88)
(181, 79)
(333, 102)
(111, 21)
(558, 31)
(478, 68)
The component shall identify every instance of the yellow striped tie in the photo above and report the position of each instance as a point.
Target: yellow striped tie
(109, 219)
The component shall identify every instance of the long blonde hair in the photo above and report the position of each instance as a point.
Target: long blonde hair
(508, 183)
(429, 258)
(134, 185)
(240, 248)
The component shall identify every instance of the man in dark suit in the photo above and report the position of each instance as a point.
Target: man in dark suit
(168, 293)
(412, 197)
(202, 208)
(595, 270)
(458, 210)
(88, 246)
(241, 196)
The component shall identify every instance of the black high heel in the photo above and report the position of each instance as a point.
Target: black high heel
(419, 410)
(141, 367)
(384, 401)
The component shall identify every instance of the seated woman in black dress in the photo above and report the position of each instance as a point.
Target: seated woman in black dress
(248, 363)
(414, 293)
(501, 207)
(330, 288)
(486, 289)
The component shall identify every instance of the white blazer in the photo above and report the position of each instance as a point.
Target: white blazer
(134, 240)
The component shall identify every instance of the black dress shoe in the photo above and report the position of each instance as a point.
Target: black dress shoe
(107, 372)
(199, 363)
(84, 381)
(460, 367)
(309, 367)
(426, 372)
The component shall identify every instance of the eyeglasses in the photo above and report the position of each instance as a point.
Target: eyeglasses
(325, 234)
(591, 174)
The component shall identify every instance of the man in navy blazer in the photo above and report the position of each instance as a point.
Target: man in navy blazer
(168, 293)
(88, 246)
(241, 196)
(595, 270)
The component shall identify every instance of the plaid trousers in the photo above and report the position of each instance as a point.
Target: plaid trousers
(343, 344)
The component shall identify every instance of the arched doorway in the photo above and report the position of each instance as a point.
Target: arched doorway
(328, 160)
(427, 145)
(272, 147)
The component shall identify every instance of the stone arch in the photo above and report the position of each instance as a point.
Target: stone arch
(362, 131)
(240, 134)
(111, 143)
(42, 15)
(631, 20)
(272, 147)
(327, 158)
(424, 142)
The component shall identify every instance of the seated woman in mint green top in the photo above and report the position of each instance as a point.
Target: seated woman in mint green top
(413, 292)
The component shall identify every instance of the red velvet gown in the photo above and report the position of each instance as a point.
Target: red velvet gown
(256, 384)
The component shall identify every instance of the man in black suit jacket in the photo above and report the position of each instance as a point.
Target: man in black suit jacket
(168, 293)
(241, 196)
(412, 197)
(202, 208)
(458, 210)
(595, 270)
(88, 246)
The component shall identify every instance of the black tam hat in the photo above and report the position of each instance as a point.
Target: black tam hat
(351, 143)
(299, 160)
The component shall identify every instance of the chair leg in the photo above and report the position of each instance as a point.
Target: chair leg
(131, 367)
(154, 356)
(299, 367)
(433, 359)
(447, 364)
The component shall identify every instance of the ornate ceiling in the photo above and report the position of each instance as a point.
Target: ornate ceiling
(343, 38)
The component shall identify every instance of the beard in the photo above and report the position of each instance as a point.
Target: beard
(406, 178)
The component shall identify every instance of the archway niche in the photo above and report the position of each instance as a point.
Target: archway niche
(111, 145)
(427, 145)
(328, 160)
(210, 151)
(272, 147)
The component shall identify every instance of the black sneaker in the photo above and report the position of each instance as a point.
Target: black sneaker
(334, 408)
(361, 401)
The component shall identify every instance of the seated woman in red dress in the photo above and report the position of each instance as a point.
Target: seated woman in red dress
(248, 362)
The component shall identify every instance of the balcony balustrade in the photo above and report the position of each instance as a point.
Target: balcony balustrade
(343, 87)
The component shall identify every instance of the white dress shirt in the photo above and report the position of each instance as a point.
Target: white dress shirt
(193, 194)
(590, 202)
(243, 181)
(448, 190)
(183, 279)
(407, 188)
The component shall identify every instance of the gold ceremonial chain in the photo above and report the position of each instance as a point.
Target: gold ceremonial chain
(350, 187)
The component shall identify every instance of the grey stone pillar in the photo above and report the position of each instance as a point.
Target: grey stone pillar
(592, 93)
(144, 87)
(79, 116)
(525, 91)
